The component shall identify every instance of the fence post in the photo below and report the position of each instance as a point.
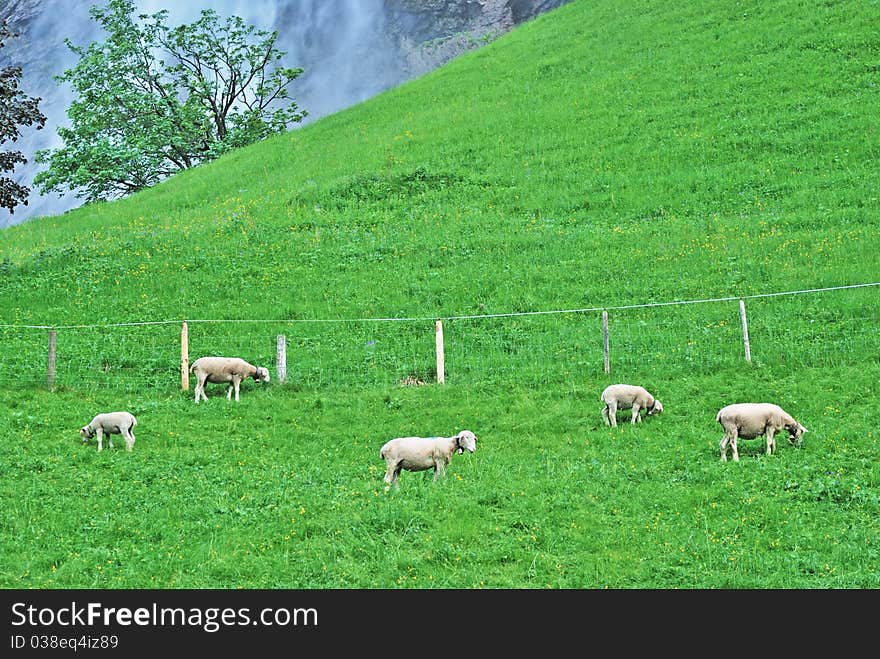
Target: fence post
(50, 369)
(441, 359)
(184, 357)
(281, 359)
(742, 314)
(605, 341)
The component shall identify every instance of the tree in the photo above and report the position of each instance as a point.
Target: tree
(17, 110)
(152, 100)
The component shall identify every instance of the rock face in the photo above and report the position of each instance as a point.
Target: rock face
(350, 50)
(20, 12)
(429, 33)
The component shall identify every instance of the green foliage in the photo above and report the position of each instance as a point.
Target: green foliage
(667, 152)
(17, 110)
(153, 100)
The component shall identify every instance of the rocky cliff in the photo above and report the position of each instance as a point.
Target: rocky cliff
(429, 33)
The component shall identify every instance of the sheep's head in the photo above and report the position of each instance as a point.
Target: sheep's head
(656, 408)
(467, 441)
(796, 433)
(262, 374)
(86, 433)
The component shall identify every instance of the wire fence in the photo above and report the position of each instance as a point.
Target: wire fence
(828, 326)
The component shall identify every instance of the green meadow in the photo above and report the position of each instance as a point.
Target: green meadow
(605, 155)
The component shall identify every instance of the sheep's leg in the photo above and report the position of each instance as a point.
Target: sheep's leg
(733, 447)
(771, 443)
(724, 442)
(200, 386)
(389, 472)
(233, 385)
(636, 417)
(605, 415)
(391, 475)
(99, 433)
(612, 414)
(439, 470)
(129, 440)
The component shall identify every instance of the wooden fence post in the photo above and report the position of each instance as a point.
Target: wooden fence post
(50, 369)
(281, 359)
(441, 359)
(605, 341)
(742, 313)
(184, 357)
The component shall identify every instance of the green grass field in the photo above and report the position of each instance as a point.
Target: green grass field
(603, 155)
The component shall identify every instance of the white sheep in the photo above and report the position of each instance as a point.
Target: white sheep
(420, 453)
(110, 423)
(624, 397)
(750, 420)
(225, 369)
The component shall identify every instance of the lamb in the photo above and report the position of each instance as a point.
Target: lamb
(421, 453)
(110, 423)
(750, 420)
(625, 396)
(225, 369)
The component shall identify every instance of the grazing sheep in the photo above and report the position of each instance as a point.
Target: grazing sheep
(225, 369)
(750, 420)
(110, 423)
(625, 396)
(420, 453)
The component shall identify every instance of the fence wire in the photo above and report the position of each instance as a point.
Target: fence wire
(807, 328)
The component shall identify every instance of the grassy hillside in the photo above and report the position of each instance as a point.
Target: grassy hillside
(603, 155)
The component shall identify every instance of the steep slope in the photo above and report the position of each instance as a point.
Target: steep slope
(699, 149)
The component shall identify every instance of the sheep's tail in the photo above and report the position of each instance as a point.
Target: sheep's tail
(134, 422)
(382, 453)
(718, 416)
(192, 367)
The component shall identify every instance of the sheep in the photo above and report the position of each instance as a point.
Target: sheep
(751, 420)
(225, 369)
(625, 396)
(110, 423)
(421, 453)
